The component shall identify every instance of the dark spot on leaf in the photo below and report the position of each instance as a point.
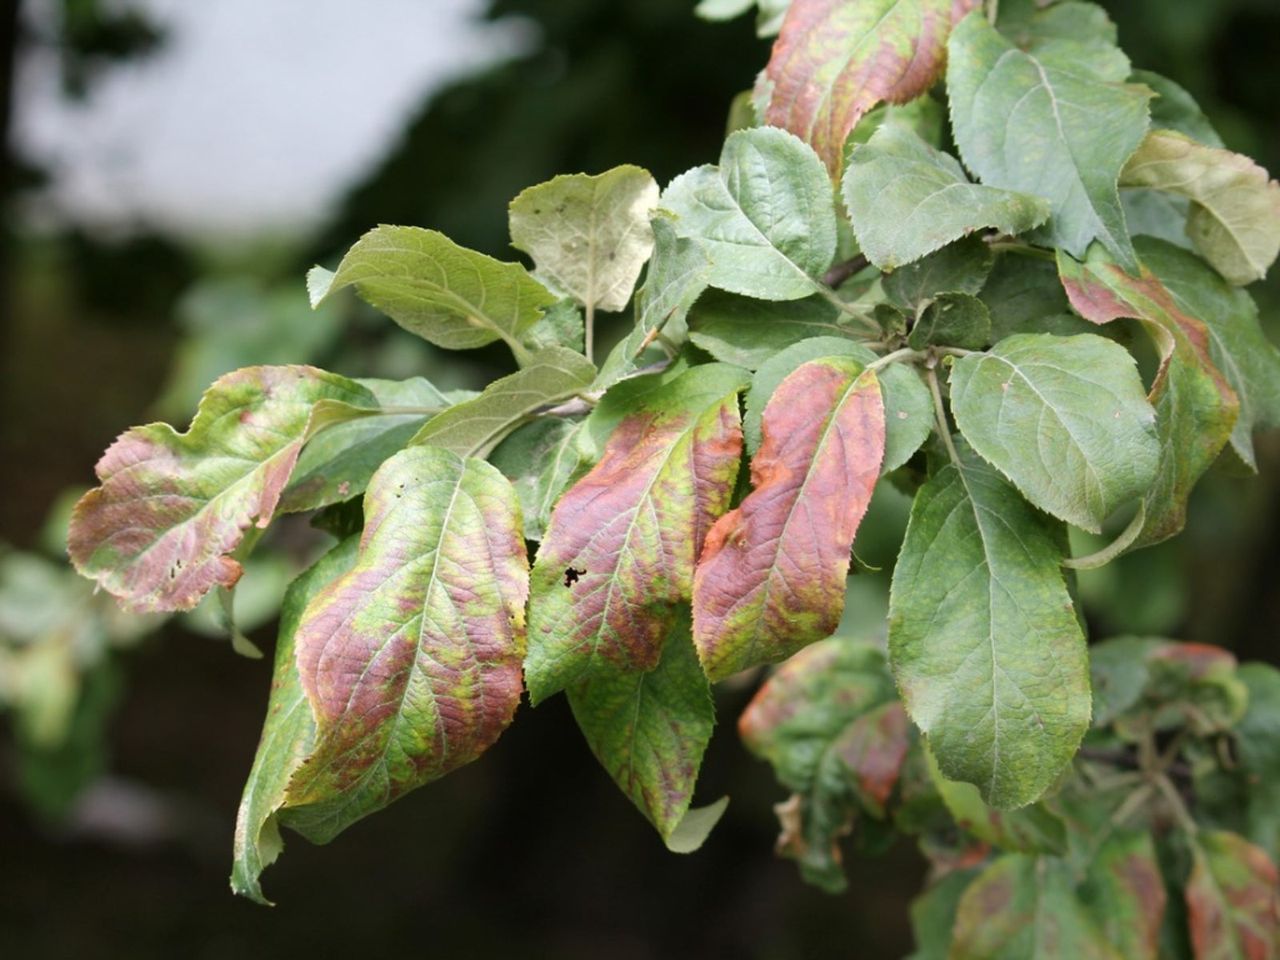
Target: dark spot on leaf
(572, 575)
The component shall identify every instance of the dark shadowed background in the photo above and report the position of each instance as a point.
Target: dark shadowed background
(169, 171)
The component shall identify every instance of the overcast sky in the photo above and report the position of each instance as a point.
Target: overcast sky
(254, 115)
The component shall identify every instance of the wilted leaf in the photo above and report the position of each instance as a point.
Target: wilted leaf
(907, 199)
(1233, 909)
(765, 215)
(650, 729)
(453, 297)
(835, 60)
(1065, 418)
(411, 660)
(172, 506)
(1235, 208)
(983, 636)
(1196, 408)
(619, 553)
(1038, 123)
(588, 236)
(771, 578)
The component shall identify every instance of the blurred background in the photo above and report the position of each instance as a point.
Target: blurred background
(168, 171)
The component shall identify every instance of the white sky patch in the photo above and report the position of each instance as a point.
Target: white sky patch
(253, 116)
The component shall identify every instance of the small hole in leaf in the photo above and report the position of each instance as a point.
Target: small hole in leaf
(572, 575)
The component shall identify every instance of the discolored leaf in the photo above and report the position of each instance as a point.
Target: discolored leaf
(1237, 344)
(410, 661)
(476, 426)
(983, 636)
(765, 215)
(835, 60)
(288, 733)
(1125, 893)
(1196, 408)
(771, 577)
(1065, 418)
(172, 506)
(589, 236)
(1233, 899)
(649, 729)
(907, 199)
(454, 297)
(1235, 207)
(619, 553)
(1036, 122)
(933, 914)
(827, 723)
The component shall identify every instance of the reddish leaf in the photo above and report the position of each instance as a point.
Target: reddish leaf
(1232, 901)
(873, 749)
(836, 59)
(771, 578)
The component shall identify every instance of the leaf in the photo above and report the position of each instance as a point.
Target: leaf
(1175, 109)
(159, 530)
(411, 660)
(908, 408)
(1125, 893)
(907, 199)
(451, 296)
(1039, 124)
(1066, 419)
(1025, 908)
(619, 554)
(538, 459)
(768, 16)
(827, 723)
(1232, 905)
(1031, 829)
(650, 729)
(834, 61)
(771, 578)
(1119, 675)
(765, 215)
(953, 319)
(1023, 296)
(561, 326)
(1257, 740)
(337, 464)
(983, 638)
(1237, 345)
(476, 426)
(589, 237)
(1196, 408)
(1235, 208)
(959, 267)
(676, 278)
(933, 914)
(747, 332)
(1080, 31)
(288, 732)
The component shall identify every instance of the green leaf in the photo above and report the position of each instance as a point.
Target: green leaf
(1175, 109)
(933, 914)
(411, 660)
(771, 578)
(983, 637)
(650, 729)
(834, 61)
(1025, 908)
(765, 215)
(1125, 893)
(747, 332)
(907, 199)
(1031, 829)
(1233, 903)
(1257, 740)
(1237, 344)
(1196, 408)
(1023, 295)
(1065, 418)
(288, 733)
(959, 267)
(1079, 31)
(454, 297)
(908, 417)
(677, 276)
(827, 723)
(1235, 208)
(589, 237)
(476, 426)
(1040, 124)
(619, 554)
(1119, 675)
(955, 320)
(561, 326)
(538, 459)
(171, 508)
(768, 17)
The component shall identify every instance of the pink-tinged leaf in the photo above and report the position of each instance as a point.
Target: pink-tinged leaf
(872, 750)
(1128, 895)
(771, 578)
(1233, 910)
(836, 59)
(172, 506)
(619, 554)
(1196, 408)
(411, 660)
